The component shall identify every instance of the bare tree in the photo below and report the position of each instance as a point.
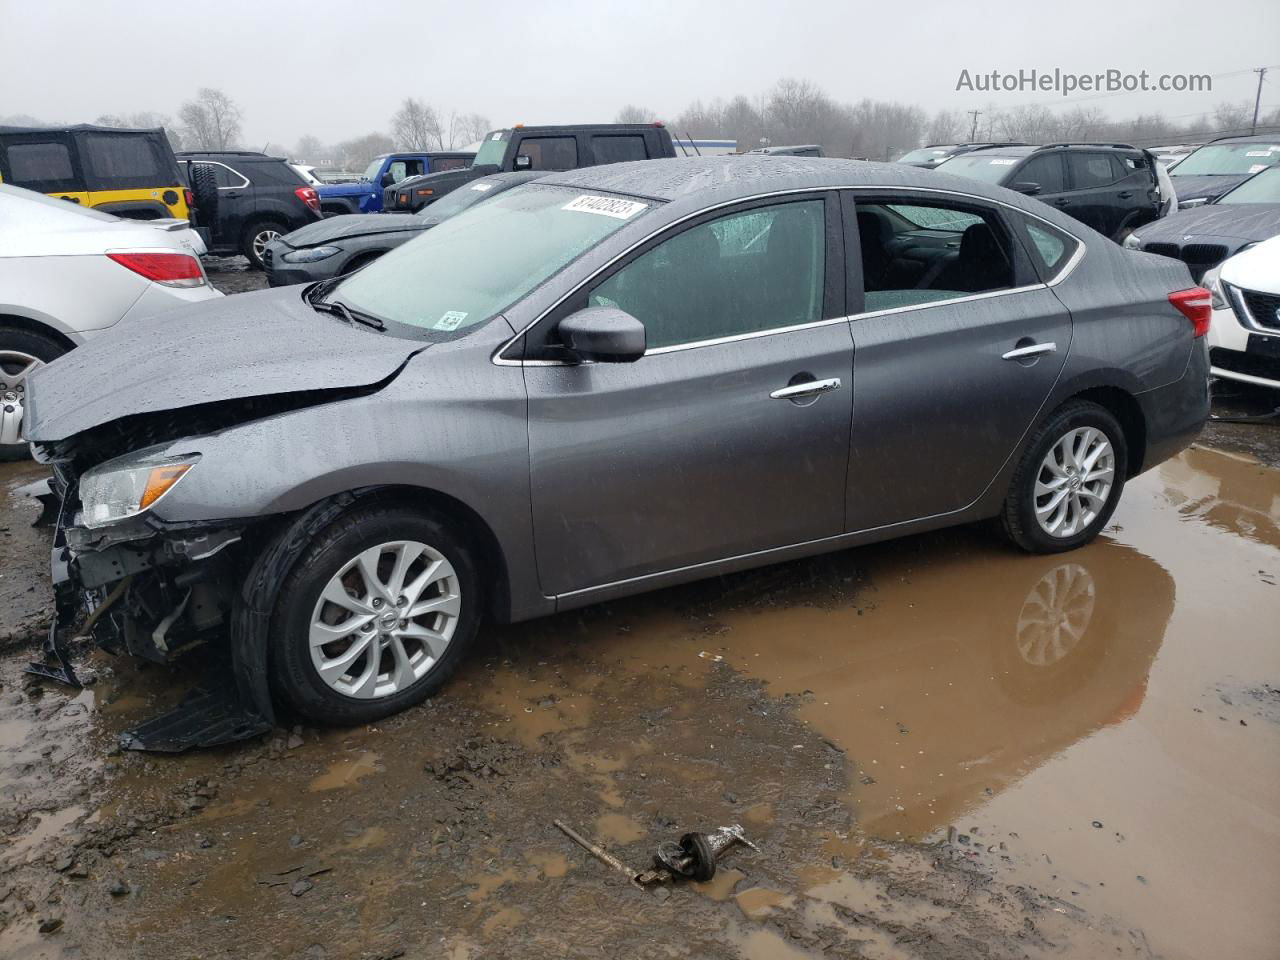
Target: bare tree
(309, 149)
(946, 126)
(471, 127)
(631, 113)
(416, 126)
(356, 153)
(211, 121)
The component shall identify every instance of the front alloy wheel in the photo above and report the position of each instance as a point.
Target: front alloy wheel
(385, 619)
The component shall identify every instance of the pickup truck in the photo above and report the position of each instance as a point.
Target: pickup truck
(563, 147)
(365, 195)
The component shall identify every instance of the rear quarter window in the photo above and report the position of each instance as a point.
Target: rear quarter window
(44, 167)
(619, 149)
(121, 162)
(1050, 249)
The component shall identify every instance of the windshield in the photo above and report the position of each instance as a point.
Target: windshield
(474, 266)
(925, 154)
(1264, 188)
(979, 166)
(458, 200)
(1228, 160)
(372, 169)
(492, 149)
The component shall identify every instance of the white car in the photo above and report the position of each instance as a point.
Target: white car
(67, 273)
(1244, 335)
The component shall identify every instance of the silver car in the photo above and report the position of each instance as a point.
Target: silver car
(612, 380)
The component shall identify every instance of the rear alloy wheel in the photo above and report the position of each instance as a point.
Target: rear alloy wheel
(1069, 480)
(21, 352)
(375, 617)
(256, 239)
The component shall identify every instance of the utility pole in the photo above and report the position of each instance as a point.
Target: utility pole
(973, 132)
(1257, 100)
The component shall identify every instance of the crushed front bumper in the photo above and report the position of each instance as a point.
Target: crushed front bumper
(155, 591)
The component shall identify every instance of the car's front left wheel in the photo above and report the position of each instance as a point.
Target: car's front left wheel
(375, 616)
(255, 240)
(1069, 480)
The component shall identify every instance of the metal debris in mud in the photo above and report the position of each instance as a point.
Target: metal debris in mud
(693, 858)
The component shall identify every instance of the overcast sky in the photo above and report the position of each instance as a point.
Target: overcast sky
(339, 68)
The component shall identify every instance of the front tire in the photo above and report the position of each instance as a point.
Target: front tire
(21, 351)
(1069, 480)
(375, 616)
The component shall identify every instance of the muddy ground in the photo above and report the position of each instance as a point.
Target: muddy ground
(943, 748)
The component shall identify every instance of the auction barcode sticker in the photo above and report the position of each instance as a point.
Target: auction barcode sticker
(1002, 161)
(606, 206)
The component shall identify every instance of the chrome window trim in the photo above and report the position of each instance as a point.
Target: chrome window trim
(1073, 261)
(219, 163)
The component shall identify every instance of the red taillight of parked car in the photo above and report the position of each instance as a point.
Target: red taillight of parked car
(1196, 304)
(171, 269)
(309, 196)
(190, 198)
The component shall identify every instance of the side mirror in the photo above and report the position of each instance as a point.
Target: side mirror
(386, 180)
(603, 334)
(1030, 189)
(523, 161)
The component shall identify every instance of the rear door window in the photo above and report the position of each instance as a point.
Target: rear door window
(114, 161)
(619, 149)
(551, 153)
(41, 165)
(1045, 170)
(1091, 170)
(449, 163)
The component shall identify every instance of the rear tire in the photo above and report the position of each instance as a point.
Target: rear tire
(255, 239)
(1069, 480)
(382, 658)
(21, 351)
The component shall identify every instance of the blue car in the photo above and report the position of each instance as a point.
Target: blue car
(365, 195)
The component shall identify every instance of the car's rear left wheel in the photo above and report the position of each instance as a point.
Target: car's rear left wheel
(375, 616)
(1069, 480)
(21, 352)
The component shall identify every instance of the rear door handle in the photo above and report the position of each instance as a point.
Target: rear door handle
(810, 388)
(1125, 195)
(1034, 350)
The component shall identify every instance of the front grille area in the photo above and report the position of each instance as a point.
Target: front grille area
(1264, 308)
(1198, 257)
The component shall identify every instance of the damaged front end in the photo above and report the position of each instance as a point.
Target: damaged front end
(135, 584)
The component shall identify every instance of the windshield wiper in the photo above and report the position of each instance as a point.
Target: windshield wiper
(339, 309)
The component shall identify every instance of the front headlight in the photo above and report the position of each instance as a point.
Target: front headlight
(1213, 284)
(129, 485)
(310, 254)
(1131, 242)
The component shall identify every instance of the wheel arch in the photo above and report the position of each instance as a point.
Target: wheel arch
(32, 325)
(1122, 405)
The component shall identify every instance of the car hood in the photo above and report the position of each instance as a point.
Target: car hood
(1240, 221)
(1212, 187)
(252, 345)
(357, 189)
(351, 225)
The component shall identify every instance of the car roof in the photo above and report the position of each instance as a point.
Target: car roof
(1247, 138)
(697, 182)
(81, 128)
(248, 155)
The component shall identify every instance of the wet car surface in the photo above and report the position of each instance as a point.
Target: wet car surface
(941, 746)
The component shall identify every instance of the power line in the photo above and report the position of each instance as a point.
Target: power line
(1257, 100)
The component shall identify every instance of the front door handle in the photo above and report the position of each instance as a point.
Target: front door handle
(1034, 350)
(810, 388)
(1125, 195)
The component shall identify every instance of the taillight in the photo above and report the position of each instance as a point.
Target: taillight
(1196, 304)
(309, 196)
(190, 198)
(171, 269)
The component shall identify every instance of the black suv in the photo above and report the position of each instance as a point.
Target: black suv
(1112, 187)
(564, 147)
(244, 200)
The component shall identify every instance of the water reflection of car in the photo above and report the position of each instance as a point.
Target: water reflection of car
(1216, 167)
(343, 244)
(1205, 235)
(947, 695)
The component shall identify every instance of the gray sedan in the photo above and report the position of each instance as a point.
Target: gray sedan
(343, 244)
(612, 380)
